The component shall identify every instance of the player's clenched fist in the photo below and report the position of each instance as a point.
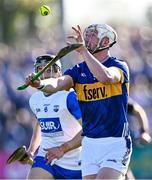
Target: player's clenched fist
(29, 81)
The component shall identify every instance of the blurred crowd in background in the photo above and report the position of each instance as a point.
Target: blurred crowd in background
(16, 61)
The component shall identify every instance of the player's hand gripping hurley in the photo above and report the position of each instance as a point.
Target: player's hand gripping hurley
(64, 51)
(20, 154)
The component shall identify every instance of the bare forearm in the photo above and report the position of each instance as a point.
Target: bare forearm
(72, 144)
(97, 69)
(141, 117)
(143, 121)
(102, 73)
(35, 140)
(34, 144)
(59, 151)
(56, 84)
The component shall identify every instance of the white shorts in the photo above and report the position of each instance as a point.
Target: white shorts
(112, 152)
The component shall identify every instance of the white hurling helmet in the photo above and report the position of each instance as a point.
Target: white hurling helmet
(100, 31)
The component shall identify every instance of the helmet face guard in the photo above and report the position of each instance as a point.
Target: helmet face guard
(44, 60)
(94, 34)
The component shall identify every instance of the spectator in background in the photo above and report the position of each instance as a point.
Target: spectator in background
(143, 137)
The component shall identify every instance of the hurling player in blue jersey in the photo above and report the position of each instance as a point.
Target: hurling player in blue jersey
(57, 116)
(102, 84)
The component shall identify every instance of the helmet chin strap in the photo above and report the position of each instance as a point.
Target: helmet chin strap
(101, 49)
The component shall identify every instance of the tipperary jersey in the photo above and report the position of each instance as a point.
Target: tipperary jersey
(57, 115)
(103, 106)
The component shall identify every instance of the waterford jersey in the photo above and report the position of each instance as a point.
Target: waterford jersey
(57, 119)
(103, 106)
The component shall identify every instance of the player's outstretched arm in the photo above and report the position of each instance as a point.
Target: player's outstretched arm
(101, 72)
(142, 118)
(34, 144)
(58, 152)
(51, 85)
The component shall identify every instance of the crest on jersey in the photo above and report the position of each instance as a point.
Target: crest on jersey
(45, 109)
(38, 110)
(56, 108)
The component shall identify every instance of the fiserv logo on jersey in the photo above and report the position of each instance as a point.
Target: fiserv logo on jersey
(94, 93)
(97, 91)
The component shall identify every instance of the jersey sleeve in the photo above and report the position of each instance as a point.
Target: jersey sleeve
(73, 72)
(73, 105)
(124, 70)
(31, 105)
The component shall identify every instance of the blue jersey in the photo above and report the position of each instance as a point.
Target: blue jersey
(103, 106)
(73, 106)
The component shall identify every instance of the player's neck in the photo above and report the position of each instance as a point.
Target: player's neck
(102, 56)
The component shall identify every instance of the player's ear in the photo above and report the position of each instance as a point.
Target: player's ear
(104, 42)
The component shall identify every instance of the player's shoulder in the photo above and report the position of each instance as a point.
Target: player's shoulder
(61, 93)
(72, 93)
(76, 70)
(66, 94)
(116, 60)
(79, 65)
(36, 96)
(119, 63)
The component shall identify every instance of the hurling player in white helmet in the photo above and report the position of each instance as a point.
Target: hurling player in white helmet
(57, 116)
(102, 86)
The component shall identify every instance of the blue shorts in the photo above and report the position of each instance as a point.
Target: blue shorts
(57, 171)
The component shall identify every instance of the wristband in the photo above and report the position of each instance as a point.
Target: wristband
(41, 87)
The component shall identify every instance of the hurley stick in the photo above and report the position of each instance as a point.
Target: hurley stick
(64, 51)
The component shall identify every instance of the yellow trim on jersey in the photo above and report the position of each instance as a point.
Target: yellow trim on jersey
(119, 71)
(97, 91)
(127, 87)
(122, 75)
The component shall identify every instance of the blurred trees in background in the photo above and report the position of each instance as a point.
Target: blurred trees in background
(21, 18)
